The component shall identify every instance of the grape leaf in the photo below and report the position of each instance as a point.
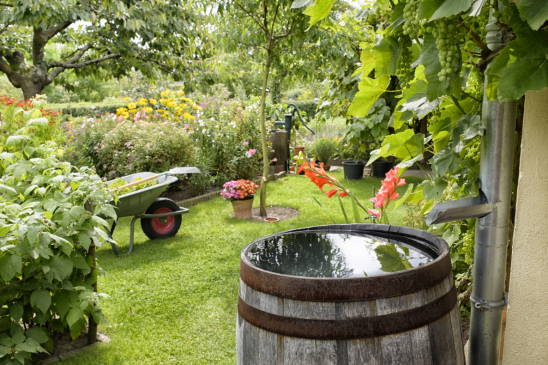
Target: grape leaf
(386, 54)
(435, 190)
(370, 90)
(9, 266)
(429, 59)
(40, 299)
(320, 10)
(534, 12)
(445, 162)
(397, 142)
(436, 9)
(522, 65)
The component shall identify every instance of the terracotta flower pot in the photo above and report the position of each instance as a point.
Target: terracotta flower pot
(298, 149)
(242, 208)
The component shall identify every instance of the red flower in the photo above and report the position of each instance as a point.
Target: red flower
(331, 192)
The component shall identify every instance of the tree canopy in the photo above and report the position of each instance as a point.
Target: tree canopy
(41, 39)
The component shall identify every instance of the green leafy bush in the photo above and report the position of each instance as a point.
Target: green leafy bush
(308, 106)
(144, 146)
(85, 136)
(87, 109)
(46, 273)
(324, 148)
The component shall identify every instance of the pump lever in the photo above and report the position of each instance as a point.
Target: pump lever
(456, 210)
(296, 109)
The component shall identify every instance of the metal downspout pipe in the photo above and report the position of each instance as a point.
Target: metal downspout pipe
(496, 164)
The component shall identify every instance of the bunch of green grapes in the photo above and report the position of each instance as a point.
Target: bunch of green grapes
(448, 41)
(473, 151)
(469, 240)
(405, 71)
(411, 24)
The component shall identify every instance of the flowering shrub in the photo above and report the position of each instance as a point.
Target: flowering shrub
(143, 146)
(169, 105)
(229, 133)
(15, 114)
(239, 190)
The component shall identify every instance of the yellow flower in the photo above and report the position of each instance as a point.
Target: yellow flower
(132, 105)
(147, 109)
(164, 93)
(126, 99)
(133, 111)
(152, 101)
(197, 107)
(180, 92)
(120, 111)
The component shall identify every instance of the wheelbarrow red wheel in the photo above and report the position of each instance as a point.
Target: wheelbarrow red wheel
(156, 228)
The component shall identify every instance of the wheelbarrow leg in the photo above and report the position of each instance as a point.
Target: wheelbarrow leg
(109, 232)
(132, 229)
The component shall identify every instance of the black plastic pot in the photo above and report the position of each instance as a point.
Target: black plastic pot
(353, 170)
(380, 168)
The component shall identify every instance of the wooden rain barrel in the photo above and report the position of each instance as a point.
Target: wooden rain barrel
(304, 300)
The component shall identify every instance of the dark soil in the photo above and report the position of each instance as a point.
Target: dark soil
(63, 343)
(465, 325)
(282, 213)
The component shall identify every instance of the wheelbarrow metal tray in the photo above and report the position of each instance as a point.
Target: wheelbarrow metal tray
(137, 202)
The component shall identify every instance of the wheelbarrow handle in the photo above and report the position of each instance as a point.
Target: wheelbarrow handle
(138, 182)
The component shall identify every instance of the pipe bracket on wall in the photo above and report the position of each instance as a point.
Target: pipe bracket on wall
(485, 305)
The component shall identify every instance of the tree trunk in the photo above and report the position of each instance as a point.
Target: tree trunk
(266, 162)
(30, 89)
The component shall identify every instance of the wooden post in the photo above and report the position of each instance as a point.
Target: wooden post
(92, 326)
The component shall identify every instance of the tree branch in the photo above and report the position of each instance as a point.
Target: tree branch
(475, 37)
(265, 18)
(6, 5)
(53, 31)
(275, 16)
(280, 37)
(85, 63)
(4, 67)
(250, 16)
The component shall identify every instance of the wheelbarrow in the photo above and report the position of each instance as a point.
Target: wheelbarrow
(160, 217)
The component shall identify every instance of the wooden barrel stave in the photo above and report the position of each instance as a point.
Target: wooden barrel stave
(437, 343)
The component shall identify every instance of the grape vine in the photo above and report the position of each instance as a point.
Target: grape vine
(449, 39)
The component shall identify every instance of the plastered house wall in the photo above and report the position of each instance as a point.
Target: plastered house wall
(526, 338)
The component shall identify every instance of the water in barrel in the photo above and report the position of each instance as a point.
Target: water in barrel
(334, 255)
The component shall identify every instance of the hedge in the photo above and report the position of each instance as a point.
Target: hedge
(308, 106)
(87, 109)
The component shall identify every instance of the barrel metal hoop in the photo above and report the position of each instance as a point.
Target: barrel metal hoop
(350, 289)
(349, 329)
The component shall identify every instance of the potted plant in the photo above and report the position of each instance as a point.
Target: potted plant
(362, 134)
(241, 194)
(323, 149)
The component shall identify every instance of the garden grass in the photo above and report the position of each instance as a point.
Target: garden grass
(183, 290)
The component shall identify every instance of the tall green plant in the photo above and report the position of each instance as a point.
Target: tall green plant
(50, 217)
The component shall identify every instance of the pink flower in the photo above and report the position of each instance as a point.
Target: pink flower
(245, 143)
(374, 212)
(274, 159)
(186, 126)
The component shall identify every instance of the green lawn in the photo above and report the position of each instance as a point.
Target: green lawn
(183, 290)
